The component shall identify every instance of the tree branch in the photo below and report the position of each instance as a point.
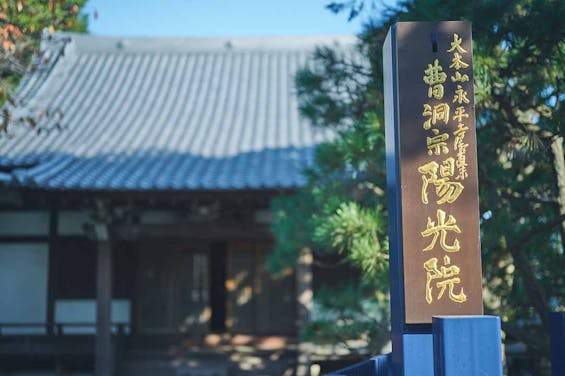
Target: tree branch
(524, 267)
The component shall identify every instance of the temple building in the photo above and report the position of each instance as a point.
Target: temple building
(134, 216)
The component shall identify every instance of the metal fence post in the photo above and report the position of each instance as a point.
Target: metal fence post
(467, 346)
(557, 341)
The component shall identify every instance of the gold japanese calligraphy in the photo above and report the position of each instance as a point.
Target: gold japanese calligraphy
(432, 170)
(460, 77)
(444, 176)
(437, 144)
(458, 62)
(447, 277)
(435, 77)
(460, 96)
(439, 112)
(456, 44)
(460, 114)
(439, 230)
(461, 148)
(446, 190)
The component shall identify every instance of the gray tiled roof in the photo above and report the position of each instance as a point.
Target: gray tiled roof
(166, 114)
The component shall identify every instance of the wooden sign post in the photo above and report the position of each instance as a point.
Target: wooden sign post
(432, 184)
(437, 322)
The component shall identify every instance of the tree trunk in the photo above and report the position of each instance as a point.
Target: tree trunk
(532, 289)
(559, 165)
(305, 297)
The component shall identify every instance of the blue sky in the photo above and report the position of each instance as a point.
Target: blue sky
(217, 18)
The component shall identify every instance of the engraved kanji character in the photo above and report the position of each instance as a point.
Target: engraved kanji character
(437, 144)
(456, 44)
(461, 162)
(447, 167)
(460, 136)
(460, 95)
(436, 92)
(435, 77)
(448, 278)
(459, 77)
(439, 112)
(460, 114)
(457, 62)
(446, 190)
(440, 230)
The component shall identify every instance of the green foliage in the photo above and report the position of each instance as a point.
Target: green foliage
(347, 318)
(355, 232)
(294, 231)
(519, 55)
(22, 24)
(342, 206)
(341, 210)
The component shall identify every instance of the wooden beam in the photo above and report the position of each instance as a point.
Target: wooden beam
(24, 239)
(77, 197)
(196, 231)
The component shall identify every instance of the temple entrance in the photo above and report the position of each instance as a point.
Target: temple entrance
(173, 288)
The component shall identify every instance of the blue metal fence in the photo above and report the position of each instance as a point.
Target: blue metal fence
(557, 326)
(377, 366)
(462, 346)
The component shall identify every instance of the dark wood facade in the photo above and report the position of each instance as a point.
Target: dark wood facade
(200, 270)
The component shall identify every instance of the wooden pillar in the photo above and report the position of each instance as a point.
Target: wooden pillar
(305, 295)
(52, 271)
(218, 294)
(103, 357)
